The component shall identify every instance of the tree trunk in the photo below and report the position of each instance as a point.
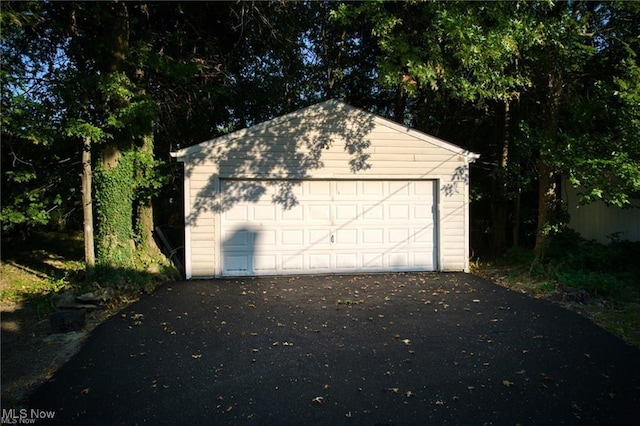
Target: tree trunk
(145, 218)
(547, 201)
(517, 207)
(144, 213)
(547, 192)
(114, 179)
(87, 205)
(499, 206)
(399, 106)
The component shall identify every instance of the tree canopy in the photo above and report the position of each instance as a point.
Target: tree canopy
(541, 89)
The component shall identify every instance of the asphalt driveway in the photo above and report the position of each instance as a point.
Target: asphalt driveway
(419, 348)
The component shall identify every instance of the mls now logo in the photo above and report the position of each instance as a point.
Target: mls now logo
(25, 416)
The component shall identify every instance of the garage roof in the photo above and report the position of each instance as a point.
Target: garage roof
(329, 108)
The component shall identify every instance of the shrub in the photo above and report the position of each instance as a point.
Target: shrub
(598, 284)
(518, 256)
(602, 269)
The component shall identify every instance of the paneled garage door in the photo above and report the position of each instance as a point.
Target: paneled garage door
(336, 226)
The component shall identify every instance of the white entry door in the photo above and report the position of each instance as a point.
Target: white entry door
(327, 226)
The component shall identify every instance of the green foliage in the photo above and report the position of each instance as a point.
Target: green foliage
(518, 255)
(32, 152)
(136, 279)
(605, 270)
(148, 78)
(571, 262)
(81, 129)
(470, 50)
(129, 108)
(36, 270)
(114, 190)
(31, 193)
(150, 174)
(604, 161)
(598, 284)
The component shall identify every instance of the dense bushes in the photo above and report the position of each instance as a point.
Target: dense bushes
(602, 269)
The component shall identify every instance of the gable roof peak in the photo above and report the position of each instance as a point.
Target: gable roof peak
(335, 107)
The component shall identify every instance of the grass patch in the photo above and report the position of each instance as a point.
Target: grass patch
(622, 319)
(19, 286)
(35, 269)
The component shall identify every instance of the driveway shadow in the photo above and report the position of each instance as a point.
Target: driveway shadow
(415, 348)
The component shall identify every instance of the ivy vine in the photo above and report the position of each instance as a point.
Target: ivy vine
(114, 195)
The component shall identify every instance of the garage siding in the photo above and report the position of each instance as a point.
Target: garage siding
(374, 148)
(597, 221)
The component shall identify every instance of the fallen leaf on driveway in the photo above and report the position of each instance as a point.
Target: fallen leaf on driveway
(318, 400)
(546, 377)
(507, 383)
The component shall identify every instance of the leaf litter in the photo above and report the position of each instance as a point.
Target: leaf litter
(304, 314)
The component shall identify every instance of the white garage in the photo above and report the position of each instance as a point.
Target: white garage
(326, 189)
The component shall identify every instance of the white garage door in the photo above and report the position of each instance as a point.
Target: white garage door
(336, 226)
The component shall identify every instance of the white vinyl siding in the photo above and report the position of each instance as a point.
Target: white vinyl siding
(597, 221)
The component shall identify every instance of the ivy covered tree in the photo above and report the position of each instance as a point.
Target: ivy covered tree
(95, 102)
(109, 111)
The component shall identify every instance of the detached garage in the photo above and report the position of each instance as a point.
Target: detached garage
(326, 189)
